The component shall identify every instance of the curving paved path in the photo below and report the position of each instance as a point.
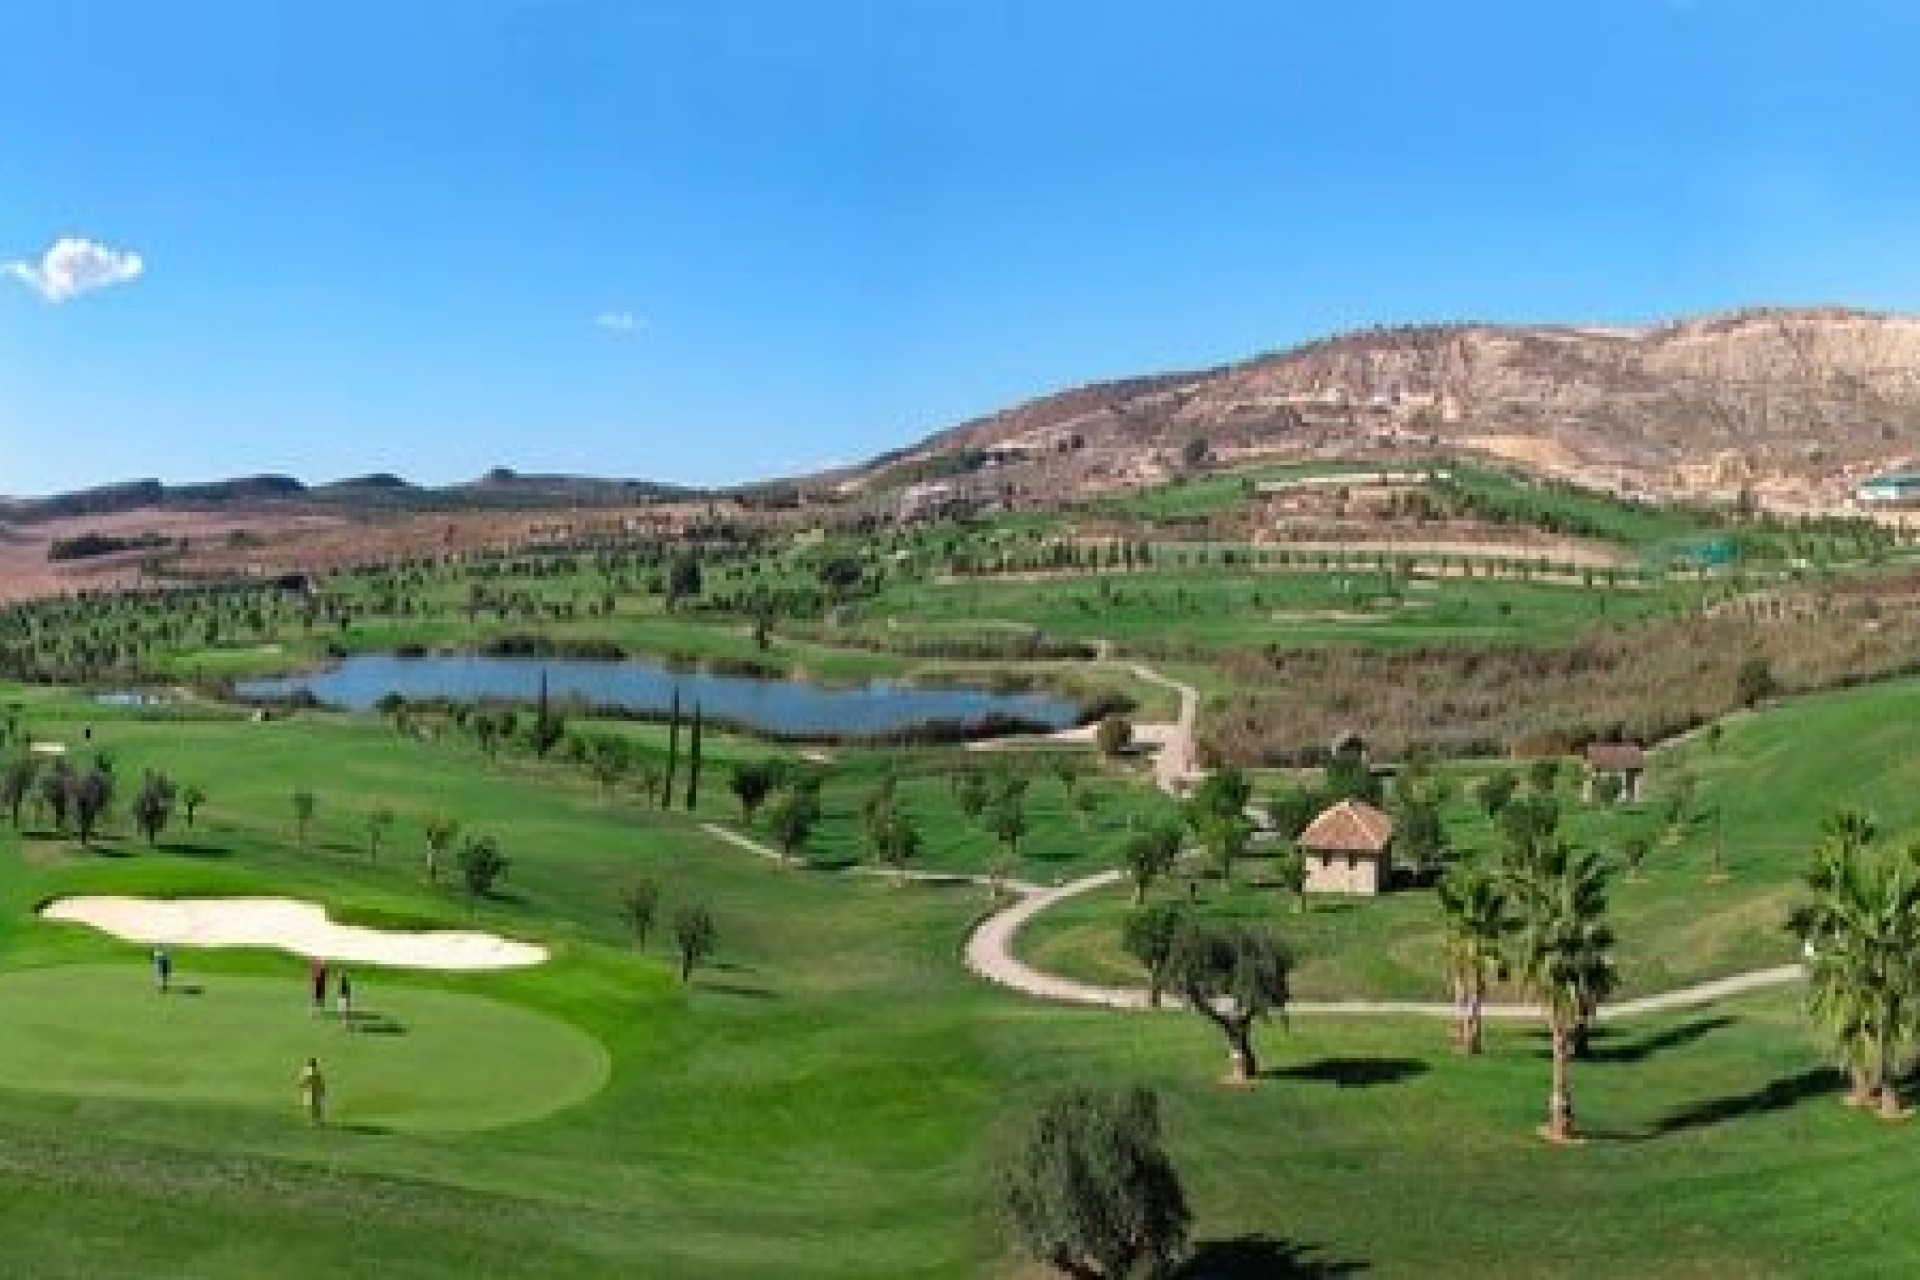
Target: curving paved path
(989, 948)
(989, 953)
(1174, 763)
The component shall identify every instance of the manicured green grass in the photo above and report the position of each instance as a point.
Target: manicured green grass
(1212, 608)
(823, 1100)
(1762, 790)
(410, 1059)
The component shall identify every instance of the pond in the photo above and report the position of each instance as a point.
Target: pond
(781, 707)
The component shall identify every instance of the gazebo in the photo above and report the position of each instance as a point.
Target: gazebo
(1348, 849)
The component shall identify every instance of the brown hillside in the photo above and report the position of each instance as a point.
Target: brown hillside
(1789, 402)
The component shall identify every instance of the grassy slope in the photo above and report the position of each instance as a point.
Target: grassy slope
(820, 1104)
(1772, 777)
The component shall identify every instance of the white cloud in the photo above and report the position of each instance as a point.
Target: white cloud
(72, 265)
(619, 323)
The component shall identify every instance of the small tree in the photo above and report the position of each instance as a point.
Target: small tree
(1634, 850)
(92, 797)
(56, 793)
(16, 784)
(481, 865)
(1066, 771)
(1474, 908)
(896, 842)
(751, 784)
(441, 831)
(1290, 869)
(1008, 822)
(1233, 976)
(153, 806)
(1089, 1190)
(1148, 856)
(972, 794)
(1292, 809)
(379, 822)
(1086, 806)
(695, 936)
(1224, 835)
(1421, 836)
(191, 798)
(1149, 935)
(638, 906)
(792, 821)
(1114, 735)
(608, 760)
(304, 805)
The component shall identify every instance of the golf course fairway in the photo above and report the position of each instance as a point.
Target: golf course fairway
(418, 1059)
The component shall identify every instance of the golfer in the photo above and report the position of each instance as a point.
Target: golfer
(313, 1091)
(344, 999)
(162, 969)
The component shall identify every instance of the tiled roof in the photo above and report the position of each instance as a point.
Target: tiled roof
(1352, 826)
(1616, 755)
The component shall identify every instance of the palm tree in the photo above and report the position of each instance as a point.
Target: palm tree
(1832, 1001)
(1476, 919)
(1863, 985)
(1563, 953)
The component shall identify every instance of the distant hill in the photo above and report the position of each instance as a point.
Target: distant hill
(1779, 398)
(497, 490)
(1790, 403)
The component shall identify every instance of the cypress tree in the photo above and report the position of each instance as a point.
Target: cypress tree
(693, 761)
(673, 752)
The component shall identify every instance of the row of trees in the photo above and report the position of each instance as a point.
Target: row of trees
(78, 800)
(477, 858)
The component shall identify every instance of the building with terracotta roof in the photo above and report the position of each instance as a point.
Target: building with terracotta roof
(1348, 849)
(1622, 760)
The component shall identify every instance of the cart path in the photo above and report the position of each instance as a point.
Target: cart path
(989, 953)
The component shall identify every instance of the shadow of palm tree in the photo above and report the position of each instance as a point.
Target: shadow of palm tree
(1263, 1258)
(1611, 1045)
(1352, 1073)
(1776, 1095)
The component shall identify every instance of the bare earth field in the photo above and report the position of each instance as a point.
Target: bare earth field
(26, 573)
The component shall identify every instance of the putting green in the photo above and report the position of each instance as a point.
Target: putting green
(417, 1060)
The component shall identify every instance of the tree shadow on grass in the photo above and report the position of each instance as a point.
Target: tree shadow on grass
(193, 850)
(1261, 1257)
(1611, 1045)
(1776, 1095)
(1351, 1073)
(368, 1022)
(740, 989)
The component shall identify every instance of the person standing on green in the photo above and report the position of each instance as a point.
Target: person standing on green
(313, 1091)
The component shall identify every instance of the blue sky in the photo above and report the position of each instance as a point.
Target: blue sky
(408, 236)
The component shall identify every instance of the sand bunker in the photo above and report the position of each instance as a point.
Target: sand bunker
(288, 925)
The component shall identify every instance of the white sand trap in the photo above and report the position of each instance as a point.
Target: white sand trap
(286, 924)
